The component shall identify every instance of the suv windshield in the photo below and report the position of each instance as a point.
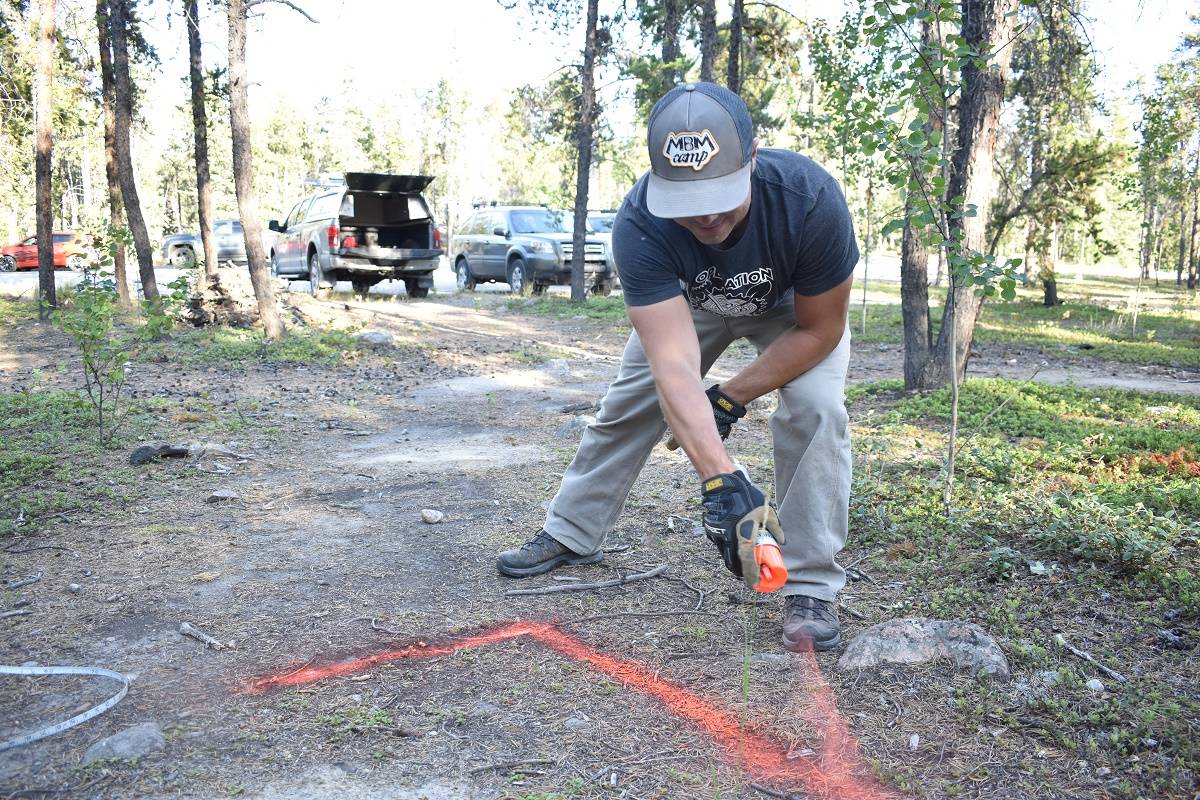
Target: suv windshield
(541, 220)
(602, 223)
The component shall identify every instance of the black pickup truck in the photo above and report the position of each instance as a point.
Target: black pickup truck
(364, 228)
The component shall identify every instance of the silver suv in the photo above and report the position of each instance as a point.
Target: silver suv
(528, 247)
(363, 228)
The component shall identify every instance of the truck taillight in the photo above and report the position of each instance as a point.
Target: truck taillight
(437, 237)
(349, 242)
(332, 233)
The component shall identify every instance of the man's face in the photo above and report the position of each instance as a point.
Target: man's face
(714, 229)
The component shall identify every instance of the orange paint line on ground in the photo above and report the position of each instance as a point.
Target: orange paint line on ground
(836, 771)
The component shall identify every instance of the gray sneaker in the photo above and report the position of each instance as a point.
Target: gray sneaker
(810, 624)
(541, 554)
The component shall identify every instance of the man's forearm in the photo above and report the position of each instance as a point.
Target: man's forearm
(791, 355)
(680, 393)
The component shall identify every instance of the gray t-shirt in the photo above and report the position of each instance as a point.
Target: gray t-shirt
(799, 237)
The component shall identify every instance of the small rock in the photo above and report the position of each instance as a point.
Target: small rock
(574, 427)
(914, 741)
(1158, 410)
(223, 495)
(576, 724)
(1103, 771)
(133, 742)
(1170, 638)
(73, 588)
(485, 709)
(432, 515)
(559, 367)
(917, 640)
(1096, 685)
(376, 338)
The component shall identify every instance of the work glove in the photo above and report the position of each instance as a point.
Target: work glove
(726, 411)
(736, 512)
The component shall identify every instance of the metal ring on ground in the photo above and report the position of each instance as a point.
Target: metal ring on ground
(78, 719)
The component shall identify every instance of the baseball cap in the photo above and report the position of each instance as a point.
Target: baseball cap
(700, 141)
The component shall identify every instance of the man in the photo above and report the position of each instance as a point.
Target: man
(721, 241)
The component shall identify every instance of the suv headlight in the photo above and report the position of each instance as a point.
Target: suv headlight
(540, 246)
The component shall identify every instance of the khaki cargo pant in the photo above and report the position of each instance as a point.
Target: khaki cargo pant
(809, 433)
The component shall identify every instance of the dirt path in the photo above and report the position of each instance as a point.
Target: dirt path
(322, 557)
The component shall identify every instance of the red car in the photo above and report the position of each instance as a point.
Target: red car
(71, 250)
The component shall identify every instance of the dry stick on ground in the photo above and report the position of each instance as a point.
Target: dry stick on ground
(578, 587)
(617, 614)
(524, 762)
(758, 787)
(25, 582)
(19, 613)
(1112, 673)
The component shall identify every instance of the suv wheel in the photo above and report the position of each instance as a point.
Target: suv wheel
(316, 277)
(464, 278)
(274, 265)
(518, 277)
(8, 264)
(413, 290)
(76, 262)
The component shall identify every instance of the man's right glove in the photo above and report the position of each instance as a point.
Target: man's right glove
(736, 514)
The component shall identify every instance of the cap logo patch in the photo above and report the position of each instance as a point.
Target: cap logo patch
(690, 149)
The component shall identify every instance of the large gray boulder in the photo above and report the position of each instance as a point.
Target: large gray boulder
(919, 640)
(133, 743)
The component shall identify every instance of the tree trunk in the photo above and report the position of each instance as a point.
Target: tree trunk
(43, 111)
(733, 73)
(119, 26)
(1192, 265)
(708, 39)
(200, 137)
(987, 28)
(1148, 208)
(914, 274)
(1183, 242)
(1048, 268)
(583, 144)
(672, 19)
(243, 172)
(111, 168)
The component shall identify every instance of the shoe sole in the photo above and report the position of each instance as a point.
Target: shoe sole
(805, 644)
(564, 560)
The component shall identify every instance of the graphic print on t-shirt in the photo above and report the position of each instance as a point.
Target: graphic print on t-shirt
(745, 294)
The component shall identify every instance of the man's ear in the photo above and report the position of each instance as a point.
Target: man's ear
(753, 151)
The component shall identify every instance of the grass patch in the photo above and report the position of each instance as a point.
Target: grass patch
(14, 309)
(221, 345)
(1075, 511)
(51, 461)
(608, 309)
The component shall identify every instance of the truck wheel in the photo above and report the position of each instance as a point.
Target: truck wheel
(316, 277)
(274, 265)
(465, 280)
(410, 286)
(518, 277)
(8, 264)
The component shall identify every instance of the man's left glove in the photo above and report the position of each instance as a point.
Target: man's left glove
(735, 513)
(726, 411)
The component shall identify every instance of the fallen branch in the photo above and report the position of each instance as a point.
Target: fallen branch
(1112, 673)
(578, 587)
(524, 762)
(201, 636)
(41, 547)
(25, 582)
(758, 787)
(21, 612)
(851, 611)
